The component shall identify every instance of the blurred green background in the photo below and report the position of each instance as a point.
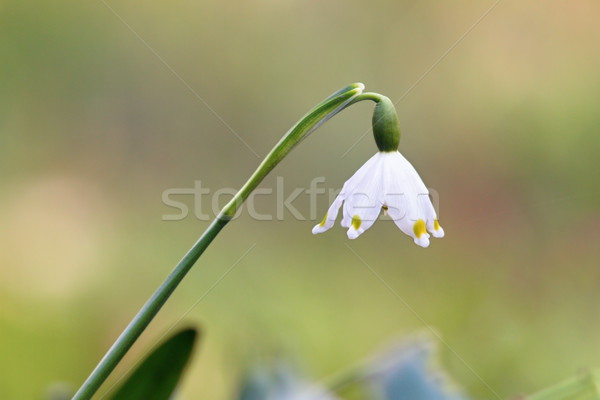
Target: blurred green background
(94, 127)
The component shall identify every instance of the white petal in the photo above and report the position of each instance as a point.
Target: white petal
(398, 214)
(363, 205)
(330, 217)
(427, 211)
(423, 241)
(436, 230)
(346, 220)
(362, 218)
(386, 180)
(367, 170)
(408, 200)
(351, 186)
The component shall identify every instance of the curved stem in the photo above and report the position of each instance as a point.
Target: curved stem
(311, 121)
(376, 97)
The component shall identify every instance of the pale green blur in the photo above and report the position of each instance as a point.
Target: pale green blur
(96, 122)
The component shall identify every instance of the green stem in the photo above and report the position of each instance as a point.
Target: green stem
(143, 318)
(376, 97)
(311, 121)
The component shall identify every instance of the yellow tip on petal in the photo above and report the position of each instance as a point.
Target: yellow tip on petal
(356, 222)
(436, 225)
(419, 228)
(325, 220)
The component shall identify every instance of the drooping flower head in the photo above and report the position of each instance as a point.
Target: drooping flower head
(386, 183)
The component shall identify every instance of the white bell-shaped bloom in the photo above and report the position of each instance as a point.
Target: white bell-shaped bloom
(388, 182)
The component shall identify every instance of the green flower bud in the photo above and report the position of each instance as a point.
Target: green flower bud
(386, 128)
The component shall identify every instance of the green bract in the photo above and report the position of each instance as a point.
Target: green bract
(386, 128)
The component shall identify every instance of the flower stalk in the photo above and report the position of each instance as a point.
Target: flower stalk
(306, 125)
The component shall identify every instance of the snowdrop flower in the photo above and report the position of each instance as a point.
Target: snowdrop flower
(386, 182)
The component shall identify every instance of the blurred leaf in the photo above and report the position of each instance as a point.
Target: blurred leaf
(256, 386)
(405, 370)
(586, 387)
(157, 376)
(280, 383)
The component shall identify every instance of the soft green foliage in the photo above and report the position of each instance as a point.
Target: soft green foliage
(280, 382)
(158, 375)
(406, 370)
(403, 371)
(256, 386)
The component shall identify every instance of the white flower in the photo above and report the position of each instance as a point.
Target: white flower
(388, 182)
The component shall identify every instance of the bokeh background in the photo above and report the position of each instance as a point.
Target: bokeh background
(98, 116)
